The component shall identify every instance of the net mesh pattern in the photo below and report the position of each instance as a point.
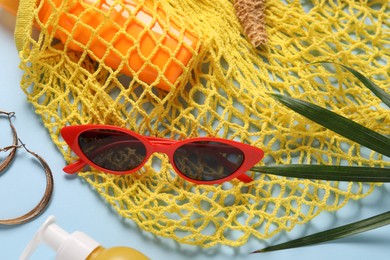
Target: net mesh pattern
(223, 92)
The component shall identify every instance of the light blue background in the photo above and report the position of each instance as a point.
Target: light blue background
(77, 207)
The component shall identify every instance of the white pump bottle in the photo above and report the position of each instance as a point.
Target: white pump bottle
(76, 246)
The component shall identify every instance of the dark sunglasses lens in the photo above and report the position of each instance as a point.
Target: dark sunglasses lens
(208, 161)
(112, 150)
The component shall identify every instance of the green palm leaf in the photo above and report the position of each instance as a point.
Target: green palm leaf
(338, 124)
(335, 233)
(328, 172)
(352, 131)
(380, 93)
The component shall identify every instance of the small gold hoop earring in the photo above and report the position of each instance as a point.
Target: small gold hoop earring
(11, 155)
(46, 196)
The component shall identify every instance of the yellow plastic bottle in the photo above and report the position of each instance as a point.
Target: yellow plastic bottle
(112, 30)
(117, 253)
(77, 246)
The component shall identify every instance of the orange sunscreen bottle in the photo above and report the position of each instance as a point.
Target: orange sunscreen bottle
(123, 34)
(76, 246)
(10, 5)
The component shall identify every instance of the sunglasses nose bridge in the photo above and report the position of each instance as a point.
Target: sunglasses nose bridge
(162, 145)
(162, 148)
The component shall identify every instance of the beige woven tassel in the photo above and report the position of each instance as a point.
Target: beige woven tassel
(250, 13)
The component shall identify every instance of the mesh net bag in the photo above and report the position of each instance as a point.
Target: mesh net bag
(221, 90)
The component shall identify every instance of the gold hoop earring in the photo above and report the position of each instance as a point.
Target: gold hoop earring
(46, 196)
(11, 155)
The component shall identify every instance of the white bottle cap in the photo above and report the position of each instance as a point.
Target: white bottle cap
(75, 246)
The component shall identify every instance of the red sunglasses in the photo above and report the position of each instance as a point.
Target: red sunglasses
(202, 160)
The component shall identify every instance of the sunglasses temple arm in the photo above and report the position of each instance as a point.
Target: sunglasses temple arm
(245, 178)
(74, 167)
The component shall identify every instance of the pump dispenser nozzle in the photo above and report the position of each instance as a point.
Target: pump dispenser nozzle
(76, 246)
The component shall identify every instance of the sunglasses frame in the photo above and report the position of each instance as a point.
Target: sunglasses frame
(252, 155)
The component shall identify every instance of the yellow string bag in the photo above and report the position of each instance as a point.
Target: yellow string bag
(223, 92)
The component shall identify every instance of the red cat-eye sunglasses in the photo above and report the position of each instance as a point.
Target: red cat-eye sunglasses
(202, 160)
